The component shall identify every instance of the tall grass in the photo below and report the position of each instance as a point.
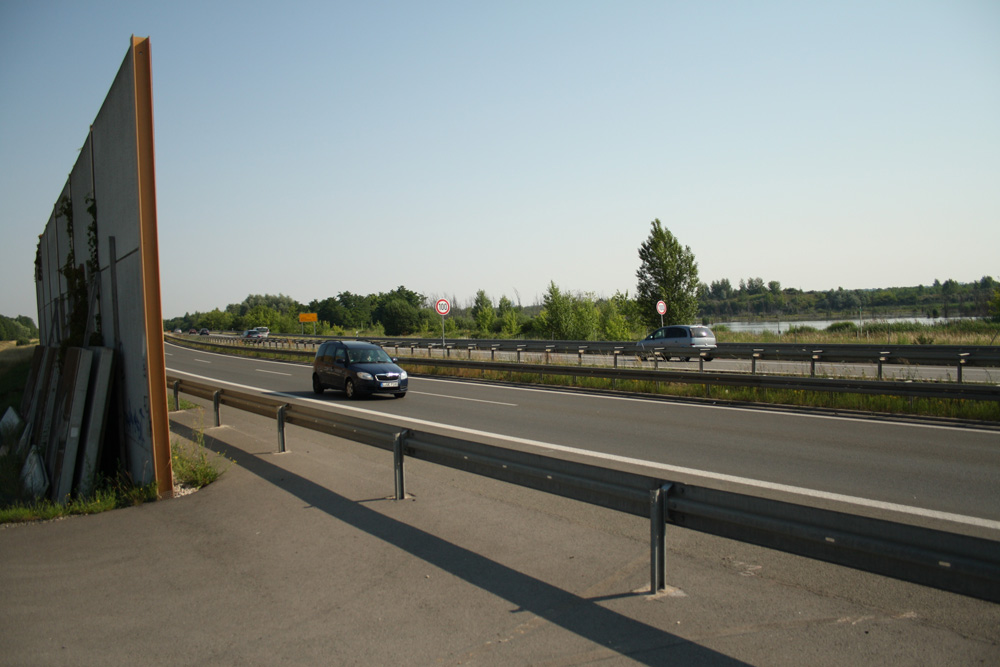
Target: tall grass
(960, 332)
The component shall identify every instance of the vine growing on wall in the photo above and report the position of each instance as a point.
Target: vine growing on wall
(94, 266)
(76, 287)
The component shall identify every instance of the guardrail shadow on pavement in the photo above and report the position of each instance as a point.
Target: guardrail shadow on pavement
(638, 641)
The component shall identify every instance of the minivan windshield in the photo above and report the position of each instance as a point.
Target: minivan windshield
(374, 355)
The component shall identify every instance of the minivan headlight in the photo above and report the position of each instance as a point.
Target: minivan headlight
(402, 375)
(365, 376)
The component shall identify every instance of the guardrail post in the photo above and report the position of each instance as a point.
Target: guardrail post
(812, 362)
(548, 349)
(177, 394)
(397, 463)
(614, 381)
(961, 362)
(281, 428)
(579, 356)
(753, 361)
(657, 538)
(881, 360)
(215, 405)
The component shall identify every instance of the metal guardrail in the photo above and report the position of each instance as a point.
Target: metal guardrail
(936, 355)
(947, 561)
(928, 389)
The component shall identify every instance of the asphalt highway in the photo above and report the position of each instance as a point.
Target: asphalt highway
(934, 474)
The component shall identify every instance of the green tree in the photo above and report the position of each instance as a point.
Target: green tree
(555, 319)
(483, 313)
(399, 317)
(510, 321)
(616, 314)
(585, 318)
(261, 316)
(669, 273)
(994, 306)
(217, 320)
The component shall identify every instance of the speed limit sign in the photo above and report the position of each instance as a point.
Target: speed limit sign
(661, 307)
(443, 307)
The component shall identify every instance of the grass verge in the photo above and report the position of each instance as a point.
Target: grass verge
(987, 411)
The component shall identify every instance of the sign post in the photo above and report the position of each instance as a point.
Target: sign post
(661, 308)
(443, 307)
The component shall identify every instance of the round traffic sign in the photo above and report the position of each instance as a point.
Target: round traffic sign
(661, 307)
(443, 307)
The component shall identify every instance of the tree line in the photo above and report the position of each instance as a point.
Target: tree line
(667, 273)
(720, 301)
(21, 329)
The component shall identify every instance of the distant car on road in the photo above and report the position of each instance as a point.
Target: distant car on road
(193, 331)
(697, 339)
(263, 331)
(203, 332)
(358, 369)
(250, 333)
(178, 331)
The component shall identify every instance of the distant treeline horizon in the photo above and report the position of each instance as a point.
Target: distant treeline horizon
(583, 316)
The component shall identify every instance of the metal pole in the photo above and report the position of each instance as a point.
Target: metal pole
(281, 428)
(177, 398)
(397, 463)
(657, 538)
(215, 404)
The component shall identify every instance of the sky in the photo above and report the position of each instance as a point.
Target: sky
(313, 148)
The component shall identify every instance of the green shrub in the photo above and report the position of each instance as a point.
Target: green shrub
(842, 327)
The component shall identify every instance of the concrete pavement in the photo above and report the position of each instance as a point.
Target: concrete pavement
(302, 558)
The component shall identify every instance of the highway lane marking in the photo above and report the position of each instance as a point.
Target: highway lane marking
(261, 370)
(634, 399)
(754, 483)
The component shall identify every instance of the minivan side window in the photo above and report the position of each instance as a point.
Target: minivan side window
(341, 356)
(674, 332)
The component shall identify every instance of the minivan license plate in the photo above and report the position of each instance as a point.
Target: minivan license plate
(390, 384)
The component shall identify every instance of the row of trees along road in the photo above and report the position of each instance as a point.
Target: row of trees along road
(667, 272)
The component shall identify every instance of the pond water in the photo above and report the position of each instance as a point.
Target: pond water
(782, 327)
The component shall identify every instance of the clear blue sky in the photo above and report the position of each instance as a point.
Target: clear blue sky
(310, 148)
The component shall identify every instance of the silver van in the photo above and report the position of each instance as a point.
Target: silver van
(668, 340)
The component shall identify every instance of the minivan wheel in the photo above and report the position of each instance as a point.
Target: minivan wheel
(349, 388)
(317, 385)
(399, 395)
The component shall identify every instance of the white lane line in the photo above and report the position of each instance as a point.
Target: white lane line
(203, 361)
(463, 398)
(261, 370)
(699, 406)
(755, 483)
